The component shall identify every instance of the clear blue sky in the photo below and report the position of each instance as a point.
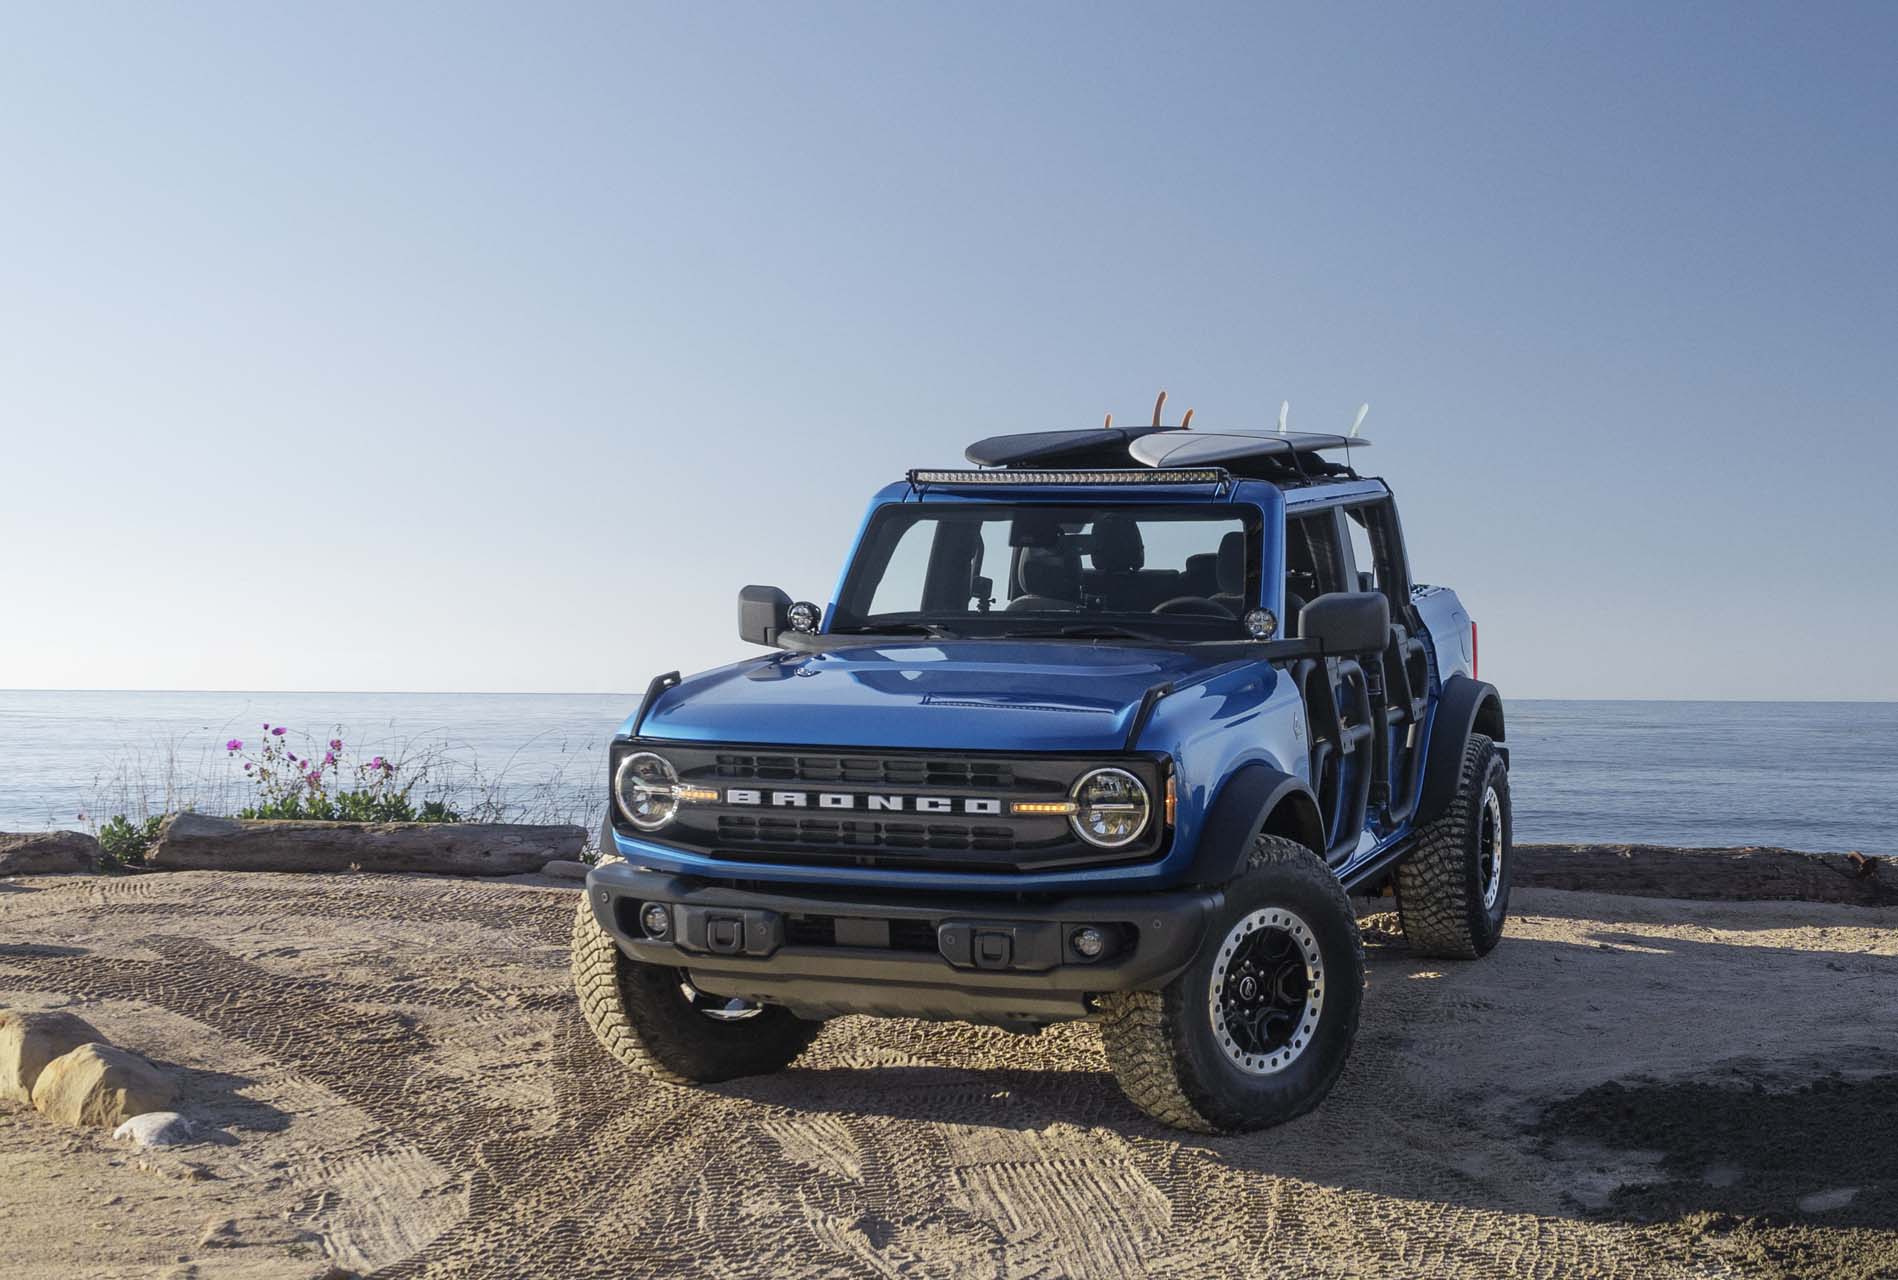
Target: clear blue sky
(362, 346)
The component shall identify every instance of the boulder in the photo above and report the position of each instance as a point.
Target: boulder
(195, 842)
(36, 853)
(30, 1040)
(566, 869)
(100, 1084)
(156, 1129)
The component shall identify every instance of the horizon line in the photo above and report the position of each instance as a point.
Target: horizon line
(623, 693)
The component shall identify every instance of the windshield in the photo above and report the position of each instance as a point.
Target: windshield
(967, 569)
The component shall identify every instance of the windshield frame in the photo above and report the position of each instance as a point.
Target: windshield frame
(883, 529)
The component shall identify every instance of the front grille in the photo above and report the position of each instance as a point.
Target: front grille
(866, 771)
(915, 809)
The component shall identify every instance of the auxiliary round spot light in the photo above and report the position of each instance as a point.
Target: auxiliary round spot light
(656, 919)
(804, 616)
(1088, 943)
(1263, 624)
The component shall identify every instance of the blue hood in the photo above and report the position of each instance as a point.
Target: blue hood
(970, 695)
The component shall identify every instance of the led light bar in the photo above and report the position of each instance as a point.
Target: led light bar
(1204, 475)
(1055, 808)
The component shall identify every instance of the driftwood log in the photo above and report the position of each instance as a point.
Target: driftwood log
(1655, 871)
(30, 853)
(194, 842)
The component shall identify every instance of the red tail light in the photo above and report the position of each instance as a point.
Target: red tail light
(1476, 665)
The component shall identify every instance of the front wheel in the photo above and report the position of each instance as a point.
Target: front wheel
(651, 1018)
(1257, 1028)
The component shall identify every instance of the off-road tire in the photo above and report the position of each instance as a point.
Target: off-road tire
(643, 1019)
(1441, 882)
(1162, 1045)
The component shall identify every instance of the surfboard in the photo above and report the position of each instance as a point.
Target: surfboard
(1207, 448)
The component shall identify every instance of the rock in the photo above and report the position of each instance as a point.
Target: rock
(35, 853)
(194, 842)
(566, 869)
(156, 1129)
(100, 1084)
(30, 1040)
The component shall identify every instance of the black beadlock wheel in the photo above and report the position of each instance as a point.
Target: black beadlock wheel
(1453, 887)
(1257, 1028)
(650, 1018)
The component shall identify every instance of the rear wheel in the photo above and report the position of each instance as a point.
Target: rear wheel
(1257, 1028)
(653, 1020)
(1453, 888)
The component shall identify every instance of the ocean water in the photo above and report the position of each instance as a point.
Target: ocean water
(1819, 776)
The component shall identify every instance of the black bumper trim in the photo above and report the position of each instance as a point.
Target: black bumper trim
(1035, 980)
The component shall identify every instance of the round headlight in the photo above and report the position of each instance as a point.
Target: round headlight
(1111, 808)
(643, 788)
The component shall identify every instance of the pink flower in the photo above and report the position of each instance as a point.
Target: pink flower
(234, 746)
(314, 778)
(336, 744)
(329, 757)
(247, 768)
(279, 731)
(266, 727)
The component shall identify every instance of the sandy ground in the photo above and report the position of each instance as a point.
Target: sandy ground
(396, 1081)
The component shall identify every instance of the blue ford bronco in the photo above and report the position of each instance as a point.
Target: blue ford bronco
(1106, 727)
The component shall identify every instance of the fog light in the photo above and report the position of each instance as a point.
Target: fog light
(1088, 943)
(804, 617)
(656, 919)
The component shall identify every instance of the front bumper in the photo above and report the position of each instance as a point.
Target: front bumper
(945, 957)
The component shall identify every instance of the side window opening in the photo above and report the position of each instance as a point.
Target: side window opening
(1363, 554)
(1314, 562)
(1377, 552)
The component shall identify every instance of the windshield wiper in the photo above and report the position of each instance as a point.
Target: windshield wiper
(930, 629)
(1088, 631)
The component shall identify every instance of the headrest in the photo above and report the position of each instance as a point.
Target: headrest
(1232, 563)
(1117, 545)
(1049, 573)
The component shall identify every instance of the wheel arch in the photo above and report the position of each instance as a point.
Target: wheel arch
(1256, 798)
(1465, 707)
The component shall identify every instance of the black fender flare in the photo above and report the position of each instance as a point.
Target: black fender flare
(1254, 795)
(1465, 706)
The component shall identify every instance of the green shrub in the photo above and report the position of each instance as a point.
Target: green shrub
(350, 806)
(126, 842)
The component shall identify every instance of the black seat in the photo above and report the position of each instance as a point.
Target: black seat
(1049, 580)
(1202, 575)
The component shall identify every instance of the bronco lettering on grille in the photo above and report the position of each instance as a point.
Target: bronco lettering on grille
(979, 806)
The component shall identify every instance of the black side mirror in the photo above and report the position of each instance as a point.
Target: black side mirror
(1347, 622)
(761, 614)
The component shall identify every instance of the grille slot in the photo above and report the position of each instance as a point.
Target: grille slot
(890, 771)
(833, 833)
